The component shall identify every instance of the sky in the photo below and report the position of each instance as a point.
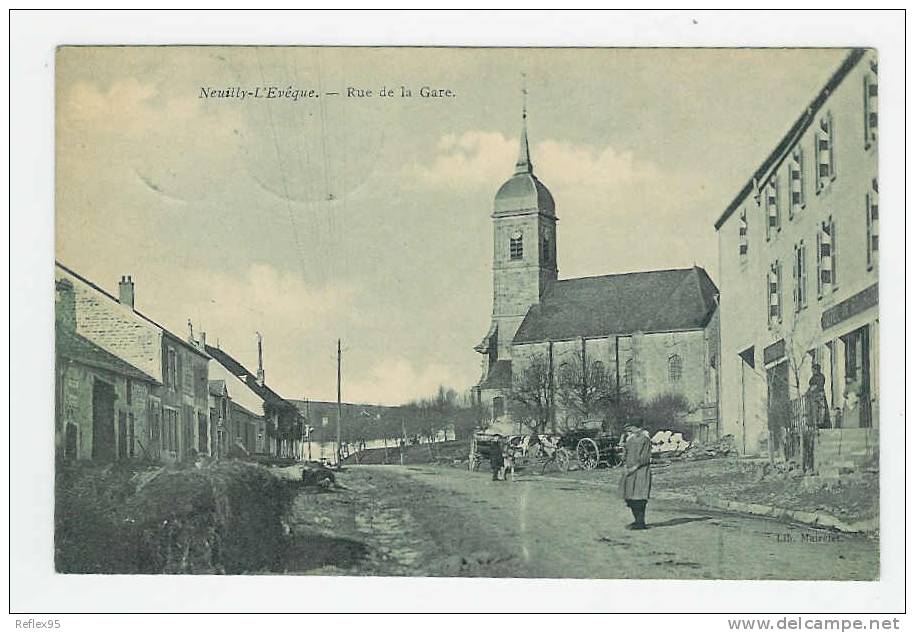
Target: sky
(367, 218)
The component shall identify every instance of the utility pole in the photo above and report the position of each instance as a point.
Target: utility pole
(339, 405)
(308, 426)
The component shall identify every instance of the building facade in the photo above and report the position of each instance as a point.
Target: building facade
(798, 261)
(101, 399)
(176, 407)
(645, 334)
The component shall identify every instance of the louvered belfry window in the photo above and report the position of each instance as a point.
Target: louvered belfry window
(516, 245)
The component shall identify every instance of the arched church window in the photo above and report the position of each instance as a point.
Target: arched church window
(516, 245)
(546, 249)
(674, 368)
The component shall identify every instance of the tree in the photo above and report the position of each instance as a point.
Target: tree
(586, 390)
(531, 401)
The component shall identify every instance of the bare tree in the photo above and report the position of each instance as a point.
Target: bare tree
(586, 390)
(531, 401)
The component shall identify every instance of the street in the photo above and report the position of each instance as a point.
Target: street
(441, 521)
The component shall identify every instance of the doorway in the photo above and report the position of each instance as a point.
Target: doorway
(856, 390)
(103, 440)
(784, 438)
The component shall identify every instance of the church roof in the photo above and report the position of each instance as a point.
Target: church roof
(622, 304)
(523, 191)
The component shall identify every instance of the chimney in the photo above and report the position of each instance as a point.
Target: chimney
(260, 359)
(125, 291)
(65, 305)
(203, 341)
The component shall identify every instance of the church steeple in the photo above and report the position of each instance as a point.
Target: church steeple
(524, 165)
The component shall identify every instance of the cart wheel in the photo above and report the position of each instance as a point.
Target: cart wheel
(588, 453)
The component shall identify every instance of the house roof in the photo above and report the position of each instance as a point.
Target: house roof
(249, 378)
(76, 347)
(142, 316)
(499, 376)
(622, 304)
(794, 133)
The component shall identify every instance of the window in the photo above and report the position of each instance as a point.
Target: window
(498, 407)
(546, 249)
(872, 220)
(516, 246)
(774, 282)
(826, 257)
(796, 171)
(825, 153)
(800, 276)
(627, 373)
(870, 108)
(674, 368)
(171, 431)
(171, 368)
(773, 212)
(742, 239)
(128, 392)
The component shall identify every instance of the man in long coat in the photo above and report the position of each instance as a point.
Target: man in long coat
(635, 485)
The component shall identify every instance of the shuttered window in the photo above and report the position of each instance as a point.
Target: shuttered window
(742, 238)
(872, 214)
(796, 175)
(825, 152)
(870, 109)
(826, 257)
(774, 284)
(773, 207)
(799, 270)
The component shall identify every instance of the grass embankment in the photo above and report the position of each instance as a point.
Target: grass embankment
(434, 453)
(224, 517)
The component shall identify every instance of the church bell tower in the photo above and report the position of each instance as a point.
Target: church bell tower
(524, 249)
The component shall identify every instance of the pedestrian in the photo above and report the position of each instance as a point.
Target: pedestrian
(496, 461)
(816, 397)
(635, 484)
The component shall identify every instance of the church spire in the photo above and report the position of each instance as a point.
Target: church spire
(524, 165)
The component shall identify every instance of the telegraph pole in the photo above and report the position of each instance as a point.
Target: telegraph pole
(339, 406)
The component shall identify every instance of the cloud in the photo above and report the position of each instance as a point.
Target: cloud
(479, 158)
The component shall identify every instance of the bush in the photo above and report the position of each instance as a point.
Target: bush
(225, 517)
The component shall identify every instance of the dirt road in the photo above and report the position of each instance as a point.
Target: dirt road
(440, 521)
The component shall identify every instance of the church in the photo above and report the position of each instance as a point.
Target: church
(651, 333)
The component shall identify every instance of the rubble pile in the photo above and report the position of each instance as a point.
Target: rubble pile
(668, 443)
(720, 448)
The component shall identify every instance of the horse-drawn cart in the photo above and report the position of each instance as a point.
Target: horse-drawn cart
(521, 451)
(593, 447)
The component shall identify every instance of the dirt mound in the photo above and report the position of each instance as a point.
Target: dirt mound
(224, 517)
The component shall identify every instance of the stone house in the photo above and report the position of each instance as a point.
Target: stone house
(655, 332)
(798, 259)
(177, 405)
(101, 399)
